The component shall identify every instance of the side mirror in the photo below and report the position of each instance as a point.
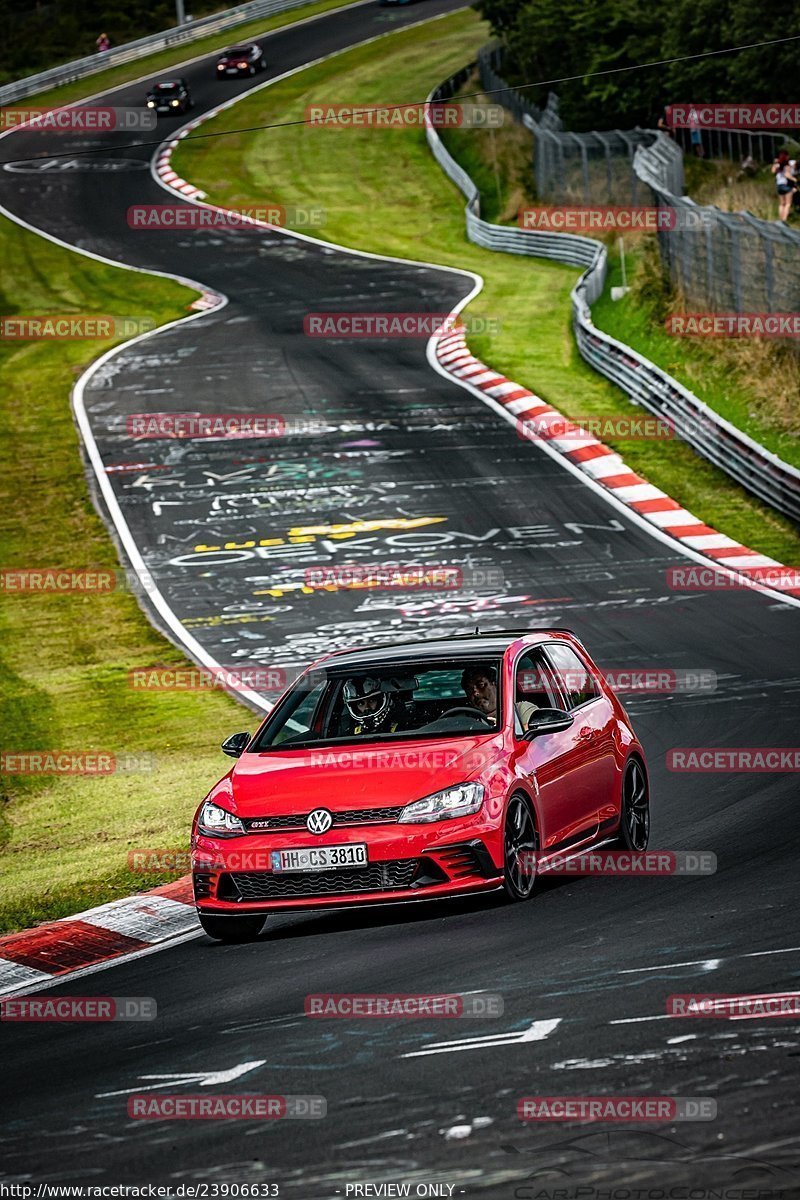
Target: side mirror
(547, 720)
(235, 744)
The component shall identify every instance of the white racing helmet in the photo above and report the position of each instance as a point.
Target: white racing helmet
(367, 701)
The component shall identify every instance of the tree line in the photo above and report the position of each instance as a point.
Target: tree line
(558, 39)
(39, 35)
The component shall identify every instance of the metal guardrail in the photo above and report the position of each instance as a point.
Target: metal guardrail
(762, 473)
(567, 248)
(179, 35)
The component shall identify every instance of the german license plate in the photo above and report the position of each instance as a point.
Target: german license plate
(231, 70)
(320, 858)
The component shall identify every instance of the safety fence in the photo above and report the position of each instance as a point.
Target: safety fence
(719, 261)
(761, 472)
(189, 32)
(573, 168)
(733, 144)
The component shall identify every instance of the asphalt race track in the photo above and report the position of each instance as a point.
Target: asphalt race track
(442, 479)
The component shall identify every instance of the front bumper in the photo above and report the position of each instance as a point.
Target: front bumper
(452, 857)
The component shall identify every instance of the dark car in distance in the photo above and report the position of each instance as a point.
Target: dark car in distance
(241, 60)
(170, 97)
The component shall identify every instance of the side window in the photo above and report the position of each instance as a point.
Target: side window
(577, 682)
(534, 682)
(301, 718)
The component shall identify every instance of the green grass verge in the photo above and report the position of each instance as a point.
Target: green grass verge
(383, 191)
(734, 378)
(113, 77)
(64, 660)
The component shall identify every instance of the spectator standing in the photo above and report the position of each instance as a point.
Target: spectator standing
(695, 134)
(785, 182)
(103, 43)
(796, 192)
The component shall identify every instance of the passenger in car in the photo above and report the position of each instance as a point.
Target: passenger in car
(480, 687)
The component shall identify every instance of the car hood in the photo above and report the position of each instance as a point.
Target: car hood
(354, 776)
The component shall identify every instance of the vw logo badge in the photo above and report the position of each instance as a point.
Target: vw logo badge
(319, 821)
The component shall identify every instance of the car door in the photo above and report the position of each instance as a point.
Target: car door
(551, 762)
(594, 762)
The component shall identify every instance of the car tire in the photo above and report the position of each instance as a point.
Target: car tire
(519, 835)
(634, 827)
(232, 929)
(252, 72)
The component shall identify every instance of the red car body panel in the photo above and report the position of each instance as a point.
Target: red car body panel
(573, 780)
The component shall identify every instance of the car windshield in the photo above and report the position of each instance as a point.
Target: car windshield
(399, 701)
(239, 52)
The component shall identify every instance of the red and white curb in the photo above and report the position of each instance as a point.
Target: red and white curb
(602, 464)
(60, 948)
(164, 168)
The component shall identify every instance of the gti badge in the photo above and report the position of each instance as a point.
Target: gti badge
(319, 821)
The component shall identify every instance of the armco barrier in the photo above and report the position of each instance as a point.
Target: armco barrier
(761, 472)
(191, 31)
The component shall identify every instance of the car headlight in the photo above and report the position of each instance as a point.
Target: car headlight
(459, 801)
(174, 103)
(151, 103)
(218, 822)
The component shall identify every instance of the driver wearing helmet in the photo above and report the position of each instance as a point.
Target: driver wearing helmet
(372, 706)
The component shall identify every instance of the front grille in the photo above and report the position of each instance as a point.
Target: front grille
(350, 816)
(263, 885)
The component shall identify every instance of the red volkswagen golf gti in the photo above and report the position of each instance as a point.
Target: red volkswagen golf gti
(423, 770)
